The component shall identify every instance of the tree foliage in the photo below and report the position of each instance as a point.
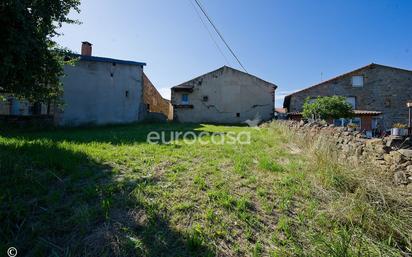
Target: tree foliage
(327, 107)
(31, 61)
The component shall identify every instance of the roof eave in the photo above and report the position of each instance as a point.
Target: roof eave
(109, 60)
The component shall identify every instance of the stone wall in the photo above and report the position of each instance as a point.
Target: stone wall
(154, 101)
(385, 89)
(390, 154)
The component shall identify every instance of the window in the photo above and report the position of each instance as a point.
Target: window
(352, 101)
(237, 114)
(185, 99)
(205, 98)
(127, 93)
(357, 81)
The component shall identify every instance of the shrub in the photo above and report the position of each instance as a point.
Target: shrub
(327, 107)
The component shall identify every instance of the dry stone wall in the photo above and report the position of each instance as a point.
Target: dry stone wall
(390, 154)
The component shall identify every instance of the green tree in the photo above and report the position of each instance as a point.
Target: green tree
(327, 107)
(31, 61)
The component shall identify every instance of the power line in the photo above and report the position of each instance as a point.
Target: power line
(220, 35)
(209, 32)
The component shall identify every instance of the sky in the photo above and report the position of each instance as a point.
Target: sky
(291, 43)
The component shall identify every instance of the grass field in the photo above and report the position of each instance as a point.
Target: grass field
(107, 192)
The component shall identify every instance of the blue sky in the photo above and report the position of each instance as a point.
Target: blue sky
(292, 43)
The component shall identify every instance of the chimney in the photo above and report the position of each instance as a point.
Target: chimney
(86, 48)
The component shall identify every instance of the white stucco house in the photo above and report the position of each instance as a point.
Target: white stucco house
(100, 90)
(225, 95)
(96, 90)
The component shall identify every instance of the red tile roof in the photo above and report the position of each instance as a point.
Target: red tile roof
(356, 112)
(365, 112)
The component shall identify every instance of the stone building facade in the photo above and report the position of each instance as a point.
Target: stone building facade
(154, 101)
(373, 87)
(225, 95)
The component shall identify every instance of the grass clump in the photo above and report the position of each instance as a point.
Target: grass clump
(266, 163)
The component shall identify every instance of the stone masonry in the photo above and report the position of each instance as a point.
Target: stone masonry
(393, 155)
(386, 89)
(154, 101)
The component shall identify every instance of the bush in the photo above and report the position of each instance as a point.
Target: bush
(327, 107)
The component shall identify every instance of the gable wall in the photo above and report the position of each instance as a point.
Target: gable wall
(229, 92)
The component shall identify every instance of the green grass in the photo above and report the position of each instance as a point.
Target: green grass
(107, 192)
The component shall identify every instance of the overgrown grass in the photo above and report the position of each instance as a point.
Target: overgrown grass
(106, 192)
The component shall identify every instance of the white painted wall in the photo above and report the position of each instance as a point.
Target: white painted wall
(93, 96)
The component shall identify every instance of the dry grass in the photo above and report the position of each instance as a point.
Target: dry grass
(370, 215)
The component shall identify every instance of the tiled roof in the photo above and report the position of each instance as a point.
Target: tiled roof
(356, 112)
(184, 86)
(365, 112)
(110, 60)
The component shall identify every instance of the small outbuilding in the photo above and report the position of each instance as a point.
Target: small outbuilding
(225, 95)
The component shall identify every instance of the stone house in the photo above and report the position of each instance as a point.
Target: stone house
(225, 95)
(377, 93)
(155, 103)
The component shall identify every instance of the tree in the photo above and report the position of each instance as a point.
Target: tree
(327, 107)
(31, 61)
